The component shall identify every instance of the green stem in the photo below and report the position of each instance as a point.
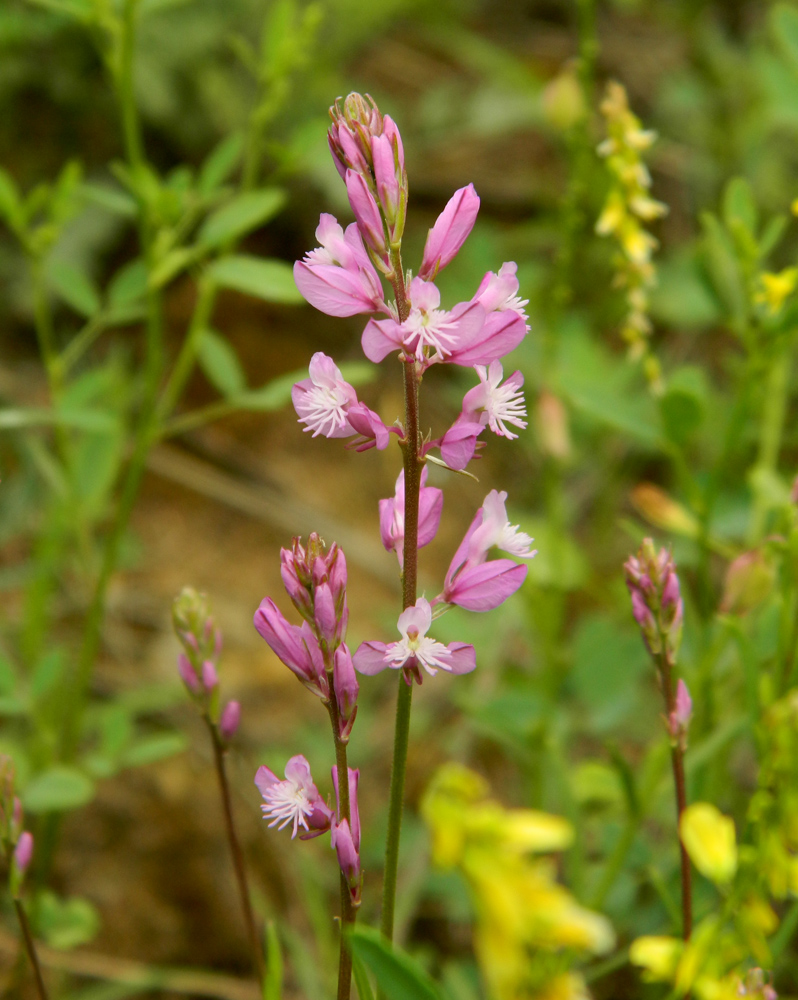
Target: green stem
(665, 668)
(412, 470)
(206, 297)
(770, 431)
(236, 852)
(30, 947)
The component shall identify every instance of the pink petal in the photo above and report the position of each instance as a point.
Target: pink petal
(429, 514)
(369, 658)
(459, 444)
(380, 337)
(501, 333)
(484, 587)
(463, 658)
(333, 290)
(264, 779)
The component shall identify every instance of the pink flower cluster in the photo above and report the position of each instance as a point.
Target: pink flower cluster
(16, 842)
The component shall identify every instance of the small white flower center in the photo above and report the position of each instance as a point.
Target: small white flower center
(326, 407)
(431, 328)
(504, 405)
(517, 543)
(286, 803)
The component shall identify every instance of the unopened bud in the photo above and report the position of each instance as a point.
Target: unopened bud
(749, 580)
(679, 718)
(346, 687)
(210, 679)
(23, 852)
(230, 718)
(659, 509)
(195, 627)
(656, 600)
(563, 101)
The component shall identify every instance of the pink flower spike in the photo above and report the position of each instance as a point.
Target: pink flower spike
(23, 852)
(294, 801)
(230, 718)
(392, 515)
(450, 231)
(495, 404)
(367, 213)
(323, 400)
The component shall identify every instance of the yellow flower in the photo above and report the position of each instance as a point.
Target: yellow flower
(776, 288)
(709, 838)
(659, 956)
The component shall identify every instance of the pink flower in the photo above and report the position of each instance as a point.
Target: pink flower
(679, 718)
(495, 404)
(505, 323)
(415, 649)
(449, 232)
(328, 405)
(429, 333)
(459, 444)
(338, 277)
(475, 584)
(297, 647)
(294, 801)
(392, 515)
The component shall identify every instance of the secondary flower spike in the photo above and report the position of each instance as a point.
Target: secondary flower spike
(294, 801)
(656, 601)
(415, 649)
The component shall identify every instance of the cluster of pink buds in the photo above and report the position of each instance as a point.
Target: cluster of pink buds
(197, 664)
(17, 842)
(656, 601)
(315, 651)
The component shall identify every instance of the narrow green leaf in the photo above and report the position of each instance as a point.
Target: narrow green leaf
(112, 199)
(240, 216)
(89, 420)
(150, 749)
(398, 976)
(58, 789)
(364, 990)
(273, 983)
(221, 163)
(784, 23)
(220, 364)
(74, 286)
(271, 280)
(739, 205)
(171, 265)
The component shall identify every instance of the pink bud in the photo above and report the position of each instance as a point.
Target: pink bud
(230, 718)
(367, 213)
(324, 613)
(679, 718)
(388, 189)
(187, 674)
(346, 689)
(449, 232)
(210, 679)
(23, 852)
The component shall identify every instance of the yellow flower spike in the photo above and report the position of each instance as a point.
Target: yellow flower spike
(658, 956)
(569, 986)
(776, 288)
(709, 838)
(612, 215)
(529, 830)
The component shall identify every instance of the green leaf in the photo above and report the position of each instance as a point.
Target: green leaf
(220, 364)
(47, 672)
(273, 983)
(58, 789)
(150, 749)
(88, 420)
(128, 284)
(9, 198)
(66, 923)
(221, 163)
(113, 199)
(271, 280)
(240, 216)
(739, 207)
(364, 990)
(397, 975)
(724, 268)
(74, 286)
(684, 403)
(171, 265)
(784, 24)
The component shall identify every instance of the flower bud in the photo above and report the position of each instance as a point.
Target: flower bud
(346, 687)
(195, 627)
(230, 718)
(656, 601)
(23, 852)
(679, 718)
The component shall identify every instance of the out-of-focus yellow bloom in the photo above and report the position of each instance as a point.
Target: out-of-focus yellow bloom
(627, 207)
(663, 511)
(794, 207)
(709, 838)
(520, 909)
(659, 956)
(776, 288)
